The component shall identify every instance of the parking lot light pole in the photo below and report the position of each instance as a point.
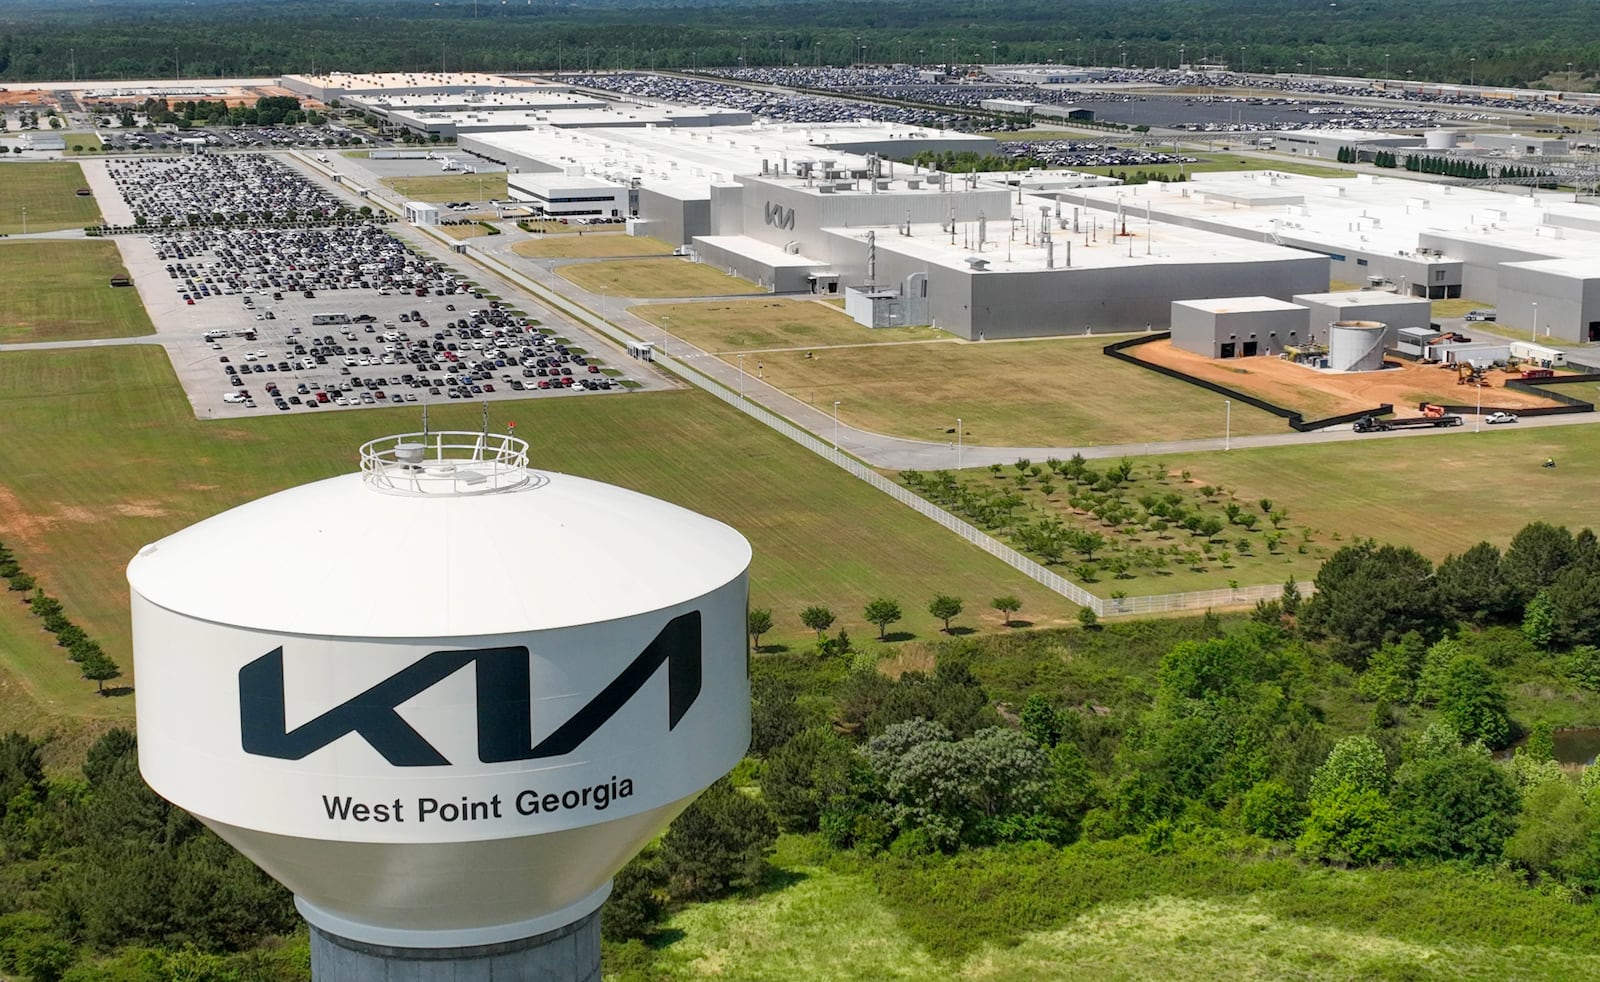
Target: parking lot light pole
(1227, 423)
(958, 443)
(741, 375)
(836, 426)
(1535, 303)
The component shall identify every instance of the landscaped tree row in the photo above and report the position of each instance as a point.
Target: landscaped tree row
(95, 665)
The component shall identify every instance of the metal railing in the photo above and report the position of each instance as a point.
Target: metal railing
(446, 462)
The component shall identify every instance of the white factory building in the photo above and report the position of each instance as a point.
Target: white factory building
(1426, 240)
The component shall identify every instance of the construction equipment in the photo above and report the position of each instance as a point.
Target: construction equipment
(1373, 424)
(1470, 374)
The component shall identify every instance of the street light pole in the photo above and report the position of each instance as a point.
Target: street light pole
(836, 425)
(1227, 423)
(958, 443)
(741, 375)
(1535, 312)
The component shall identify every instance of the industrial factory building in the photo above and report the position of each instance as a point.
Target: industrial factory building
(1534, 255)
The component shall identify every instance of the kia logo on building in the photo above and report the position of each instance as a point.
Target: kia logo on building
(504, 703)
(778, 216)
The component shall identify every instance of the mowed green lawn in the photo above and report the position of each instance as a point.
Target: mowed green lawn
(103, 455)
(60, 290)
(1440, 494)
(665, 277)
(49, 191)
(451, 187)
(595, 245)
(778, 322)
(1056, 392)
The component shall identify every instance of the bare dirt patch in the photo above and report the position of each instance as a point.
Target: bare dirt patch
(1316, 394)
(21, 526)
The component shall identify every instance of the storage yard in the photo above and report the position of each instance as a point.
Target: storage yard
(1316, 393)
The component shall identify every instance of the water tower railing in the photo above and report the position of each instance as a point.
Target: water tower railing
(447, 462)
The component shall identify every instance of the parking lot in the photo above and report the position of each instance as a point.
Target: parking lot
(283, 319)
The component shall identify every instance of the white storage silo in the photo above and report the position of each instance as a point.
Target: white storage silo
(445, 699)
(1441, 139)
(1357, 346)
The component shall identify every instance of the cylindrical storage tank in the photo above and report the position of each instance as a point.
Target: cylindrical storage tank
(1357, 346)
(1441, 139)
(445, 699)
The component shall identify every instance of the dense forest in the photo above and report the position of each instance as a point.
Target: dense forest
(1351, 731)
(1493, 42)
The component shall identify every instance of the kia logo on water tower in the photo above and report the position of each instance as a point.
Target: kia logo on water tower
(778, 216)
(504, 703)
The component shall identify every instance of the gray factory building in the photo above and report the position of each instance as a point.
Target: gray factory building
(1237, 327)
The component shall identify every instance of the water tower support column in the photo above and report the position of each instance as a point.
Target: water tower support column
(567, 954)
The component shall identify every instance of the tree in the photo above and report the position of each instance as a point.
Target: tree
(1536, 556)
(1348, 826)
(1472, 586)
(100, 669)
(1574, 600)
(1367, 593)
(719, 844)
(1354, 762)
(1455, 804)
(116, 745)
(881, 612)
(21, 769)
(1472, 703)
(637, 902)
(1271, 810)
(775, 713)
(818, 618)
(757, 623)
(1040, 720)
(1539, 620)
(1006, 605)
(1087, 618)
(945, 608)
(1391, 674)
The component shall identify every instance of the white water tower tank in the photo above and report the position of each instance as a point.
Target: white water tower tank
(1358, 346)
(445, 699)
(1441, 139)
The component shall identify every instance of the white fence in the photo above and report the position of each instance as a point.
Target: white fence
(1158, 603)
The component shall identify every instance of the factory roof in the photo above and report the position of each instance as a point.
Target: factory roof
(1092, 248)
(1358, 298)
(400, 81)
(1362, 214)
(1239, 305)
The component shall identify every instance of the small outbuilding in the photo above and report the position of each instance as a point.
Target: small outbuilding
(1393, 309)
(422, 213)
(1237, 327)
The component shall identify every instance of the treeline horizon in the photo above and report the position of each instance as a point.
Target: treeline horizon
(1488, 42)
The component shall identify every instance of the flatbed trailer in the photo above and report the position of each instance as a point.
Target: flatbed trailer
(1374, 424)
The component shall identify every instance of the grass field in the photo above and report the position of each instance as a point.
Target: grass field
(1057, 392)
(1271, 920)
(595, 245)
(59, 290)
(89, 141)
(1222, 162)
(779, 322)
(1440, 495)
(103, 455)
(450, 187)
(469, 231)
(48, 191)
(656, 278)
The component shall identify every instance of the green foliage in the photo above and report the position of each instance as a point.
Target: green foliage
(21, 769)
(813, 773)
(1040, 720)
(1355, 762)
(1006, 605)
(1574, 600)
(718, 845)
(638, 900)
(775, 713)
(758, 622)
(882, 612)
(1271, 810)
(1536, 556)
(1539, 620)
(1453, 805)
(1555, 834)
(1346, 826)
(1392, 670)
(818, 618)
(1472, 586)
(944, 607)
(1087, 618)
(1472, 703)
(1368, 593)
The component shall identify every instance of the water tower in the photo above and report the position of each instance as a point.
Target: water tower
(443, 700)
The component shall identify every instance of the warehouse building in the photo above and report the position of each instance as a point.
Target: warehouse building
(1237, 327)
(1418, 239)
(1363, 305)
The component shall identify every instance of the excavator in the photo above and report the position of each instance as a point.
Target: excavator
(1470, 374)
